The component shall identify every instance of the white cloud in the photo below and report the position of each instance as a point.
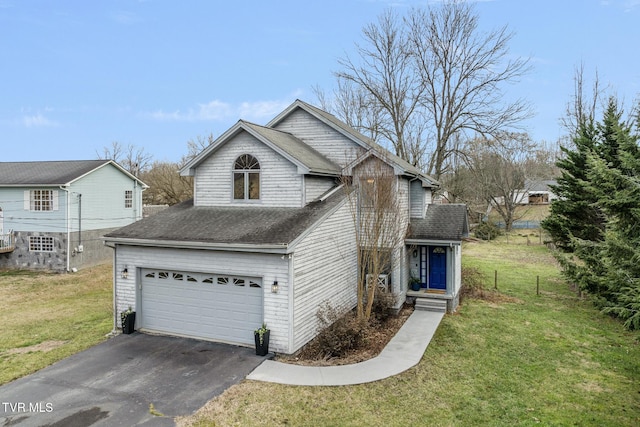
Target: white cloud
(261, 109)
(218, 111)
(38, 121)
(211, 111)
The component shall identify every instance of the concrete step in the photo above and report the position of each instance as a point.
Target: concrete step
(431, 304)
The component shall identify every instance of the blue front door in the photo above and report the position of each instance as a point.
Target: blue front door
(437, 268)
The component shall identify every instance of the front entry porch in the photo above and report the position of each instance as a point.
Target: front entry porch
(434, 256)
(433, 276)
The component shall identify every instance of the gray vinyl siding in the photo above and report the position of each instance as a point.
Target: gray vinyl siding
(317, 186)
(324, 139)
(398, 278)
(269, 267)
(428, 198)
(324, 271)
(417, 196)
(280, 183)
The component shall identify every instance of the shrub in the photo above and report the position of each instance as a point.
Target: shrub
(472, 283)
(383, 305)
(487, 231)
(339, 333)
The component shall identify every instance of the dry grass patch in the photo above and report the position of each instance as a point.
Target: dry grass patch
(43, 346)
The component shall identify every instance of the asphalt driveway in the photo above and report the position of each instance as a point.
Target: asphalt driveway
(115, 382)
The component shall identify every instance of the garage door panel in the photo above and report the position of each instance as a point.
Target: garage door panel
(202, 305)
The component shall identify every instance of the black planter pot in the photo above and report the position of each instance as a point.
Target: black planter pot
(262, 348)
(128, 323)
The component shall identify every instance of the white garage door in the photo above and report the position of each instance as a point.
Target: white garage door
(217, 307)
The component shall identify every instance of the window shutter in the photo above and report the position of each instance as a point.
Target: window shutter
(55, 200)
(27, 200)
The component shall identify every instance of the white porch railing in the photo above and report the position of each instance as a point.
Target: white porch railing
(7, 242)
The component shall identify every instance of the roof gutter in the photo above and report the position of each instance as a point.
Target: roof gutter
(432, 242)
(275, 248)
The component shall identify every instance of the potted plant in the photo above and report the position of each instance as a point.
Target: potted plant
(414, 283)
(261, 336)
(128, 320)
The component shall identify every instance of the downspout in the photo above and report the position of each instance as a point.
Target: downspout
(135, 201)
(291, 302)
(115, 275)
(79, 220)
(68, 225)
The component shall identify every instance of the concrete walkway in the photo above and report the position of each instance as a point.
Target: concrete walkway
(403, 351)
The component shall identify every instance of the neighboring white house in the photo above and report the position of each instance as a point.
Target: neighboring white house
(539, 192)
(53, 214)
(269, 236)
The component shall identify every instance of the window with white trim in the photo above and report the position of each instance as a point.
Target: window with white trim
(128, 199)
(41, 200)
(246, 178)
(40, 244)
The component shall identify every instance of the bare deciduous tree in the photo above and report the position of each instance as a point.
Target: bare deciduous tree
(195, 146)
(385, 74)
(380, 226)
(463, 71)
(133, 159)
(582, 108)
(166, 186)
(500, 168)
(436, 77)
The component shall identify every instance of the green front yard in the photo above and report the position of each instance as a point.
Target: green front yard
(47, 317)
(516, 359)
(523, 359)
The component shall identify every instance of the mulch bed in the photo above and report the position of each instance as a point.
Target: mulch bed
(377, 336)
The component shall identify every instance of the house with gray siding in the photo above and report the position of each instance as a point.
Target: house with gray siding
(269, 236)
(53, 214)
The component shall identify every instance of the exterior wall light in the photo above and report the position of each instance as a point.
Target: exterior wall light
(125, 272)
(274, 287)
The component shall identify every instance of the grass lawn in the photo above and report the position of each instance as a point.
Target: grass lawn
(524, 213)
(524, 359)
(46, 317)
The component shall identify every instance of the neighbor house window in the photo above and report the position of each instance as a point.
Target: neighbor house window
(128, 199)
(246, 178)
(40, 244)
(41, 200)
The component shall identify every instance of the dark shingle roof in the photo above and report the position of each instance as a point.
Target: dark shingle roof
(45, 173)
(297, 149)
(442, 222)
(245, 225)
(345, 128)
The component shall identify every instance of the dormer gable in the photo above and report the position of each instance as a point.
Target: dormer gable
(306, 159)
(255, 165)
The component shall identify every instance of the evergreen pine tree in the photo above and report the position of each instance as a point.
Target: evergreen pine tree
(615, 180)
(573, 214)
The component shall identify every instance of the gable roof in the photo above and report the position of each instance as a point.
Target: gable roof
(51, 173)
(447, 222)
(539, 185)
(308, 160)
(248, 228)
(360, 139)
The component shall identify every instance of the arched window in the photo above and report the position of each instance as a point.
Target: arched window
(246, 178)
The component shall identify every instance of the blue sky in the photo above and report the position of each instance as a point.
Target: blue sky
(77, 75)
